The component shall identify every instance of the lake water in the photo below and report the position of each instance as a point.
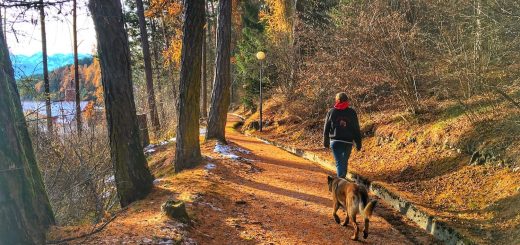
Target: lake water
(61, 110)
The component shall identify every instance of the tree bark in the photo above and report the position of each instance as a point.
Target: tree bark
(170, 68)
(152, 108)
(188, 108)
(211, 32)
(24, 206)
(220, 98)
(133, 179)
(204, 77)
(76, 66)
(45, 67)
(160, 105)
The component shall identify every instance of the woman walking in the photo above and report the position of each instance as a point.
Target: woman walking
(341, 131)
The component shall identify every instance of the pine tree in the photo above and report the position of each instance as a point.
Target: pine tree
(24, 206)
(220, 98)
(133, 179)
(188, 108)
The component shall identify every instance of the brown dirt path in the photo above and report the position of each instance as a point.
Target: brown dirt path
(280, 198)
(277, 198)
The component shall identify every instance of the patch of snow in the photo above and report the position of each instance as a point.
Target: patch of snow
(111, 179)
(241, 150)
(147, 240)
(166, 242)
(157, 181)
(202, 131)
(163, 143)
(106, 194)
(188, 241)
(210, 166)
(149, 148)
(173, 139)
(265, 141)
(225, 151)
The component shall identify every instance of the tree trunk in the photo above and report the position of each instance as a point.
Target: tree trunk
(157, 70)
(187, 152)
(133, 179)
(220, 98)
(152, 108)
(170, 68)
(45, 68)
(204, 77)
(477, 49)
(24, 207)
(211, 46)
(76, 66)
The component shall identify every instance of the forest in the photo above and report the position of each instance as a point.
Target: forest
(216, 122)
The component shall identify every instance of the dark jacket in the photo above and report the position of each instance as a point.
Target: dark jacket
(348, 120)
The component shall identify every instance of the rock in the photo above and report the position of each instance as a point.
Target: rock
(157, 181)
(147, 240)
(176, 210)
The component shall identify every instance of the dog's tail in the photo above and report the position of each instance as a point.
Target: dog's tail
(367, 210)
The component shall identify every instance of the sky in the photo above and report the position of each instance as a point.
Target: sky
(27, 40)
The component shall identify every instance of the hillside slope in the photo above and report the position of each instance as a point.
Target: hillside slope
(461, 165)
(32, 65)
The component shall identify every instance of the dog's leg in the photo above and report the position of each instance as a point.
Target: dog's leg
(346, 221)
(347, 205)
(336, 207)
(356, 228)
(365, 229)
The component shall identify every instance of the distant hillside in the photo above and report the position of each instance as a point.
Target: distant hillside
(25, 66)
(31, 87)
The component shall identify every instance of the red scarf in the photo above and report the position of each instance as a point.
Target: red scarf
(341, 105)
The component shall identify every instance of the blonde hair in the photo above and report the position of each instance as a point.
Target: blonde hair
(341, 97)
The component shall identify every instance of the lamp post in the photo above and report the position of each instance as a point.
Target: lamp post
(260, 56)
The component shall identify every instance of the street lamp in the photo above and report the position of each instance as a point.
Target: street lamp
(261, 56)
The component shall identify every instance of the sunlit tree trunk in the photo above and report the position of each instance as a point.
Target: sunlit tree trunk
(187, 152)
(45, 68)
(133, 179)
(211, 33)
(477, 49)
(152, 108)
(76, 66)
(220, 98)
(25, 210)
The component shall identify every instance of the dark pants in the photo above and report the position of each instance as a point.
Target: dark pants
(341, 151)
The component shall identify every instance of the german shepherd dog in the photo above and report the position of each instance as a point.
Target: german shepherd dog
(353, 199)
